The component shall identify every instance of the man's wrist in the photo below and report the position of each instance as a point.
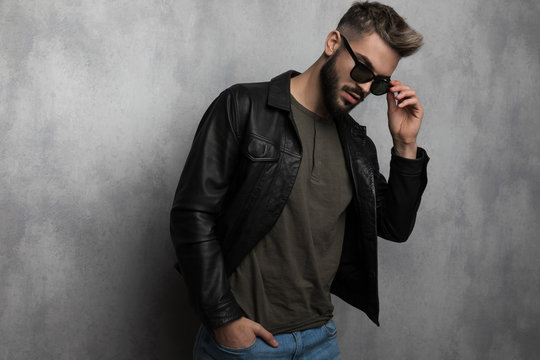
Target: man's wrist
(407, 151)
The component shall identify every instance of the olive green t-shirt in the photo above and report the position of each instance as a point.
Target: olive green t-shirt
(284, 282)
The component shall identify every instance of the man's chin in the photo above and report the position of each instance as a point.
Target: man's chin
(341, 107)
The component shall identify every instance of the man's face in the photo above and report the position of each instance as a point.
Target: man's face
(340, 92)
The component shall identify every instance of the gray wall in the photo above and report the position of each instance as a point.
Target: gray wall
(99, 102)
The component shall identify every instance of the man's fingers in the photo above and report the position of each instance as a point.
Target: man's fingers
(405, 96)
(265, 335)
(407, 102)
(399, 87)
(406, 93)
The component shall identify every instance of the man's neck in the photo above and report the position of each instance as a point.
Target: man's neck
(306, 89)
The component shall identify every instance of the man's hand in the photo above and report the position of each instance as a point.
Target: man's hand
(404, 118)
(242, 333)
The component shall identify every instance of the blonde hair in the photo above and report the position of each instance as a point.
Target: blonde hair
(364, 18)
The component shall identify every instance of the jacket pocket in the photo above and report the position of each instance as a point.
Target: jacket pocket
(258, 148)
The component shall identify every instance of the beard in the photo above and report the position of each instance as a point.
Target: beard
(330, 90)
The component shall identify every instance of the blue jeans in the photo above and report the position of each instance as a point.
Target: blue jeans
(312, 344)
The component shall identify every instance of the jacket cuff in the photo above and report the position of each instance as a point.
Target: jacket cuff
(228, 311)
(409, 166)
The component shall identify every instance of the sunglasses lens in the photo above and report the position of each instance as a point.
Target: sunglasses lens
(361, 75)
(379, 87)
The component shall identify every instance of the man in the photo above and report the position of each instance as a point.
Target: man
(281, 201)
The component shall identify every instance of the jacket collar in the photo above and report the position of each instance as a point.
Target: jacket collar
(279, 92)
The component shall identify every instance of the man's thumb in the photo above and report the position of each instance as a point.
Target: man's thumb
(391, 100)
(266, 336)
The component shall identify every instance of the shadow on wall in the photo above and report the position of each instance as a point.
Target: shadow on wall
(177, 323)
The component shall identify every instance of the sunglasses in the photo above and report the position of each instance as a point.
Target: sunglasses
(362, 74)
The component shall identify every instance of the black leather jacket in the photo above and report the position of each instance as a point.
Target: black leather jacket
(238, 177)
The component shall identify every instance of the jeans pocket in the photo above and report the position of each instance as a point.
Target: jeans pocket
(330, 328)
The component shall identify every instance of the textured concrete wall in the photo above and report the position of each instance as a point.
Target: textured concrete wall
(99, 101)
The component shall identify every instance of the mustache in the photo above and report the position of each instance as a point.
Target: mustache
(357, 91)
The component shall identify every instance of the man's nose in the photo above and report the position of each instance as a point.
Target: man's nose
(365, 87)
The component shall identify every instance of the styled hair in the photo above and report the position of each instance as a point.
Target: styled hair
(364, 18)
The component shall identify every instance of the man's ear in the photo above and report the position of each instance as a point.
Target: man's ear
(332, 43)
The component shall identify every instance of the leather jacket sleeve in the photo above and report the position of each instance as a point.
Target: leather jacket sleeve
(399, 199)
(203, 184)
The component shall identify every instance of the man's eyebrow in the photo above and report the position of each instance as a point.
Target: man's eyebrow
(367, 62)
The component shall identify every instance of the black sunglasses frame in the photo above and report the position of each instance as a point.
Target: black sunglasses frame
(380, 85)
